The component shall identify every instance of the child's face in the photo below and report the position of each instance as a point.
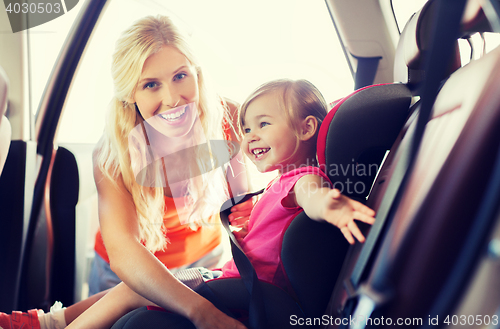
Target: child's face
(269, 141)
(168, 83)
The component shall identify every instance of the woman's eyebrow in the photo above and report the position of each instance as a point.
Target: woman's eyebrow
(147, 79)
(183, 67)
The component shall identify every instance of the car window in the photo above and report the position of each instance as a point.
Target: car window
(241, 45)
(44, 44)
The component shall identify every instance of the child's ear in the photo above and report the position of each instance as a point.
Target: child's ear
(308, 127)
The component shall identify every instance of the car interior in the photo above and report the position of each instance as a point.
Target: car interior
(5, 129)
(417, 140)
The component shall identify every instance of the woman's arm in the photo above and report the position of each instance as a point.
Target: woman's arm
(139, 269)
(322, 203)
(117, 302)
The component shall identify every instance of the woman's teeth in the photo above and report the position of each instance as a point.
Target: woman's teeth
(174, 116)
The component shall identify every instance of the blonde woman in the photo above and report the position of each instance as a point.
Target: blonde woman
(164, 113)
(156, 77)
(155, 74)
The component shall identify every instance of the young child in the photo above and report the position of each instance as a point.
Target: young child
(280, 123)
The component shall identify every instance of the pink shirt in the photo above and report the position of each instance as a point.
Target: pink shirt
(268, 222)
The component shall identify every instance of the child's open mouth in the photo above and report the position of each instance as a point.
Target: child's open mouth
(260, 152)
(175, 114)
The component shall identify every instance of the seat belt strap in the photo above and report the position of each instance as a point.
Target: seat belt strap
(257, 314)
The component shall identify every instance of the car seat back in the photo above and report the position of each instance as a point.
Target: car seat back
(412, 49)
(312, 254)
(444, 193)
(12, 177)
(49, 273)
(48, 269)
(439, 205)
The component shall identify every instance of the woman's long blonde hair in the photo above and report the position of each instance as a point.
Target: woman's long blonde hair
(206, 193)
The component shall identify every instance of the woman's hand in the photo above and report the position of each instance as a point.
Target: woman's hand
(241, 213)
(239, 217)
(242, 232)
(208, 316)
(341, 211)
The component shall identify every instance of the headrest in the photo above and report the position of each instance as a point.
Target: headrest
(474, 20)
(357, 132)
(413, 45)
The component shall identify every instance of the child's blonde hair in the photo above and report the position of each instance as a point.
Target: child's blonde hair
(143, 39)
(297, 99)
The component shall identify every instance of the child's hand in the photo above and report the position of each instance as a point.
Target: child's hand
(341, 211)
(239, 218)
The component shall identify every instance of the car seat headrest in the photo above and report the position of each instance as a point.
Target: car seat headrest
(414, 43)
(474, 19)
(356, 133)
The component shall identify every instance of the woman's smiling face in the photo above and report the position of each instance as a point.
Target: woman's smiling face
(167, 93)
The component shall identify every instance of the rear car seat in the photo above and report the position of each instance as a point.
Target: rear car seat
(440, 206)
(47, 245)
(408, 70)
(12, 173)
(444, 194)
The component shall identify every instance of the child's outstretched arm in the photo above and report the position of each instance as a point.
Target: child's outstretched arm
(320, 202)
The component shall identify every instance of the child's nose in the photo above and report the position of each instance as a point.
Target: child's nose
(253, 137)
